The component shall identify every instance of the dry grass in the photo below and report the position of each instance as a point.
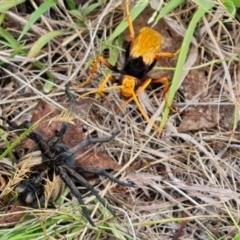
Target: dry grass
(188, 177)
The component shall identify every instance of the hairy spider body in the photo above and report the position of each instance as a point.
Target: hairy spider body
(57, 168)
(32, 190)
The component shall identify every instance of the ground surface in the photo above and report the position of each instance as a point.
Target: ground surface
(187, 179)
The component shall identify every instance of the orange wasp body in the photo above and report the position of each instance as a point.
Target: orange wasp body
(141, 56)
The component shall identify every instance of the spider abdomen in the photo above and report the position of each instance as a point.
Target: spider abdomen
(29, 189)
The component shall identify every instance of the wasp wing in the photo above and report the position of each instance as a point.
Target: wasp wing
(147, 44)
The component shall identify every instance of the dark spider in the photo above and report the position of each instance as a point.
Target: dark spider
(58, 161)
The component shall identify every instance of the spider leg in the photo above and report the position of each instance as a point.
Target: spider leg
(66, 157)
(104, 173)
(14, 126)
(35, 135)
(45, 146)
(72, 100)
(58, 136)
(42, 144)
(68, 93)
(87, 185)
(90, 141)
(67, 180)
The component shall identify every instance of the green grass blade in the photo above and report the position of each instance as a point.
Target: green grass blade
(41, 42)
(10, 39)
(78, 15)
(2, 17)
(91, 7)
(19, 49)
(17, 141)
(170, 6)
(11, 43)
(204, 7)
(236, 3)
(7, 4)
(36, 15)
(237, 237)
(71, 4)
(7, 144)
(36, 48)
(84, 12)
(230, 6)
(115, 51)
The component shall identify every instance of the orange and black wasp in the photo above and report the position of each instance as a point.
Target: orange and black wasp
(141, 55)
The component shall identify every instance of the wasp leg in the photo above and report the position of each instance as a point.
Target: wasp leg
(166, 54)
(141, 89)
(102, 88)
(134, 97)
(94, 69)
(130, 25)
(165, 82)
(143, 86)
(101, 172)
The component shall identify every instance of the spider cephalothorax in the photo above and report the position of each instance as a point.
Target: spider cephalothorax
(57, 165)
